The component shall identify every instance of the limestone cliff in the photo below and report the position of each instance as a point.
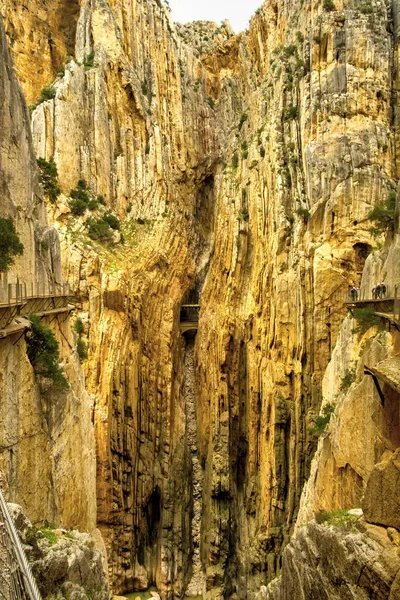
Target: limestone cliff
(47, 451)
(242, 171)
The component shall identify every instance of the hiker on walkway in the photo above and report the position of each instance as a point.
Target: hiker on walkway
(383, 290)
(374, 292)
(353, 293)
(378, 291)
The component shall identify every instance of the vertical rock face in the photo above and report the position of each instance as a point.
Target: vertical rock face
(48, 471)
(243, 171)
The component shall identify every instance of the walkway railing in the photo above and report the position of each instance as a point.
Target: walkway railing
(18, 293)
(19, 300)
(16, 579)
(388, 302)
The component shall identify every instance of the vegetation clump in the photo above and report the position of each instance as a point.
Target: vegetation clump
(292, 113)
(88, 61)
(83, 199)
(49, 178)
(338, 518)
(81, 346)
(48, 92)
(366, 318)
(101, 229)
(10, 245)
(43, 353)
(383, 215)
(329, 5)
(235, 160)
(81, 349)
(79, 327)
(322, 420)
(347, 379)
(303, 212)
(242, 121)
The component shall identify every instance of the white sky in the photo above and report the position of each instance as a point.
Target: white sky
(238, 12)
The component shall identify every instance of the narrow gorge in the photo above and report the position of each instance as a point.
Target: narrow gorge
(194, 206)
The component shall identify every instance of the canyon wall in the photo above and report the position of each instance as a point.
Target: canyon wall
(47, 451)
(242, 169)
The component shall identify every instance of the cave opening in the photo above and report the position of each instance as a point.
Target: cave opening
(361, 252)
(153, 514)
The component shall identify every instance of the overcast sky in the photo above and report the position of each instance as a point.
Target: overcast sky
(238, 12)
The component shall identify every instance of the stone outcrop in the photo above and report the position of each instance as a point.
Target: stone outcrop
(381, 497)
(65, 563)
(328, 563)
(242, 171)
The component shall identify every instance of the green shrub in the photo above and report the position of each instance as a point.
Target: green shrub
(291, 113)
(49, 178)
(211, 102)
(262, 151)
(82, 199)
(78, 207)
(101, 200)
(44, 244)
(235, 160)
(347, 379)
(93, 204)
(79, 326)
(88, 61)
(48, 92)
(329, 5)
(112, 221)
(366, 318)
(322, 420)
(82, 184)
(383, 214)
(290, 50)
(43, 353)
(242, 121)
(303, 212)
(99, 230)
(10, 244)
(81, 349)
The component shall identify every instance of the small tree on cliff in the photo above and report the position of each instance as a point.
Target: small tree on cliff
(10, 244)
(43, 353)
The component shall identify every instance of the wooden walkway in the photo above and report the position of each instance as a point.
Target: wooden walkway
(386, 308)
(16, 304)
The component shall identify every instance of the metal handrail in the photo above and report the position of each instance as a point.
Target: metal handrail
(12, 294)
(29, 582)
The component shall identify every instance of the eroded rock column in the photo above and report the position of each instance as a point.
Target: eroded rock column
(196, 584)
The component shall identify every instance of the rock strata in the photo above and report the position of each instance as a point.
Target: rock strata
(326, 563)
(242, 171)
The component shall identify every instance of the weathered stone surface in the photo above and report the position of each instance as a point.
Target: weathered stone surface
(381, 502)
(244, 172)
(65, 564)
(50, 472)
(326, 563)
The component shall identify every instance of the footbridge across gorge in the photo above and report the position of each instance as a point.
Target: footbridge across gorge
(17, 301)
(189, 318)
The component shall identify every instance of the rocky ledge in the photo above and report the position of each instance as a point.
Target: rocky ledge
(65, 563)
(341, 558)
